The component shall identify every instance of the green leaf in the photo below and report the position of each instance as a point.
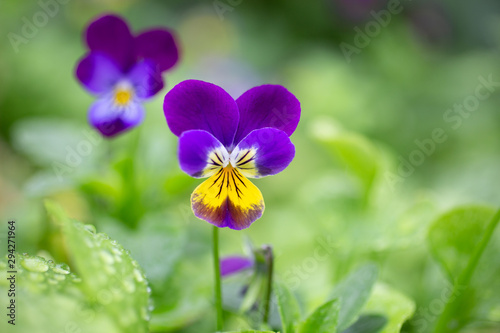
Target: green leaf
(454, 236)
(288, 307)
(249, 331)
(353, 292)
(367, 324)
(58, 144)
(358, 154)
(49, 298)
(392, 304)
(110, 277)
(475, 281)
(323, 319)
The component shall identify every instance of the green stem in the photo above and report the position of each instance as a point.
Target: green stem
(217, 287)
(464, 278)
(270, 264)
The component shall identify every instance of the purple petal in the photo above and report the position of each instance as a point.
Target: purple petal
(263, 152)
(111, 35)
(233, 265)
(158, 45)
(267, 106)
(98, 73)
(146, 79)
(200, 153)
(194, 104)
(110, 119)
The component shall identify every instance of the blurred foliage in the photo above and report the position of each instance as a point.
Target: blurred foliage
(357, 191)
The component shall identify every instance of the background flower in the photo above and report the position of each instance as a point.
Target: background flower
(123, 70)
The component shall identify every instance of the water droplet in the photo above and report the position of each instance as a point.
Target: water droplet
(110, 269)
(77, 279)
(117, 292)
(52, 281)
(90, 228)
(59, 277)
(61, 269)
(102, 236)
(145, 314)
(129, 285)
(138, 275)
(106, 257)
(118, 254)
(36, 277)
(148, 289)
(35, 264)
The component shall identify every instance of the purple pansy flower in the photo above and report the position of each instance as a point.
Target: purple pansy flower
(123, 70)
(229, 140)
(235, 264)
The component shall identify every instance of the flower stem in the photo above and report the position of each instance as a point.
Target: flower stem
(270, 264)
(464, 278)
(217, 287)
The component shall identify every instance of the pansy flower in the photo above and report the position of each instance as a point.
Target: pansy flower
(231, 265)
(123, 70)
(229, 141)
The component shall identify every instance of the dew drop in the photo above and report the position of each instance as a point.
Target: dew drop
(106, 257)
(116, 251)
(138, 275)
(110, 269)
(129, 285)
(36, 277)
(102, 236)
(145, 314)
(61, 269)
(34, 264)
(90, 228)
(59, 277)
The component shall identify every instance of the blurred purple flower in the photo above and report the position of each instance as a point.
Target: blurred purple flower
(235, 264)
(123, 70)
(229, 140)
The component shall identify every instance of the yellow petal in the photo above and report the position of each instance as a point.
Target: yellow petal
(228, 199)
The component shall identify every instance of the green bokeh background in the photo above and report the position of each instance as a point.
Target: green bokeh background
(352, 185)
